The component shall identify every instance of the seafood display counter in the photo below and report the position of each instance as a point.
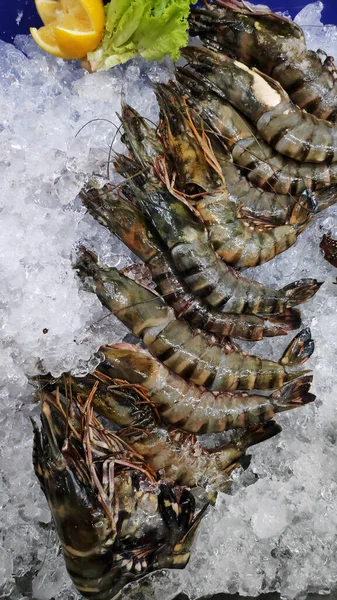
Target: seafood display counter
(182, 420)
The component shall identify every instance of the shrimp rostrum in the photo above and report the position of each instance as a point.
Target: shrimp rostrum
(191, 354)
(260, 38)
(101, 495)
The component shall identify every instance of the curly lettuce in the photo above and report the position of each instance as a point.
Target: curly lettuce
(148, 28)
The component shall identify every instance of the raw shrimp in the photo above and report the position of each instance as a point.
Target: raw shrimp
(261, 164)
(258, 37)
(237, 241)
(101, 495)
(192, 253)
(190, 354)
(174, 455)
(290, 130)
(204, 272)
(124, 220)
(193, 408)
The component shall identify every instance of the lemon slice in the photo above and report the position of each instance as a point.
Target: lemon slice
(72, 28)
(76, 37)
(47, 10)
(86, 10)
(45, 38)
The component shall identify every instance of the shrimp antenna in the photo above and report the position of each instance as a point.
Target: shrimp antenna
(113, 140)
(150, 121)
(299, 260)
(111, 150)
(93, 121)
(47, 548)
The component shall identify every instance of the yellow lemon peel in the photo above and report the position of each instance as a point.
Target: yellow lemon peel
(72, 28)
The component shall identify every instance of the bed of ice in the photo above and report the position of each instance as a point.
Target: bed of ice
(278, 534)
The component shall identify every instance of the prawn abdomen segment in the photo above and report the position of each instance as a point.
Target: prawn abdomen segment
(240, 243)
(221, 368)
(298, 135)
(210, 365)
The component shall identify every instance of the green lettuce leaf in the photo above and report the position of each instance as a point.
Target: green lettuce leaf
(148, 28)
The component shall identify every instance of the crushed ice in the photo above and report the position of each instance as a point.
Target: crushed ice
(278, 534)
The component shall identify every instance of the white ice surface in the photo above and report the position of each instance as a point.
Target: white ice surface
(278, 534)
(47, 321)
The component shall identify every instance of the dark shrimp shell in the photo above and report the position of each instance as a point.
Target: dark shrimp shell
(329, 247)
(276, 46)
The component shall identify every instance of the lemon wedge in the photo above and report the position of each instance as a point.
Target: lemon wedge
(45, 38)
(72, 28)
(47, 10)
